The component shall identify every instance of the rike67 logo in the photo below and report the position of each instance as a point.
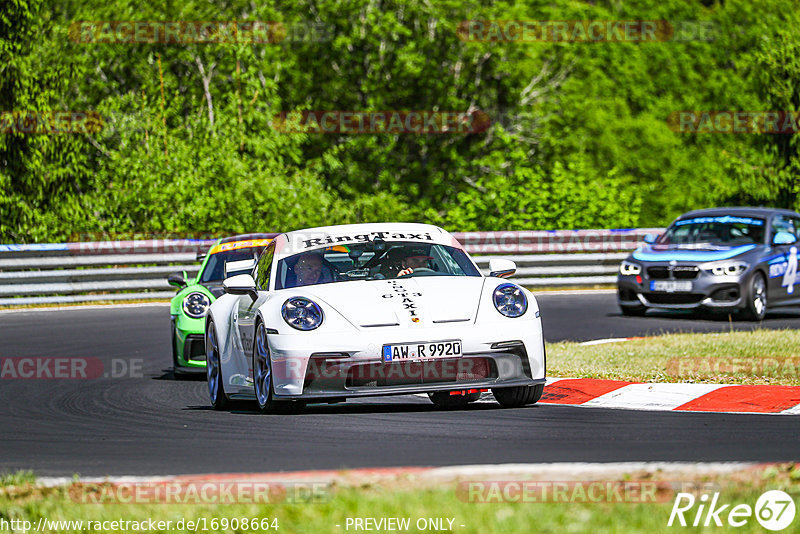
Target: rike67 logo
(774, 510)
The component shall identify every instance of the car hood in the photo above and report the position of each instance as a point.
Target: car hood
(669, 253)
(424, 300)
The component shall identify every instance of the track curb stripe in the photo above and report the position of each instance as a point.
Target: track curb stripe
(757, 399)
(682, 397)
(578, 390)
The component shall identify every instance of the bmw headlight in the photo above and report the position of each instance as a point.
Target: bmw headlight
(195, 305)
(726, 268)
(628, 268)
(510, 300)
(301, 313)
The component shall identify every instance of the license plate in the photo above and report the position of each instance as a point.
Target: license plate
(671, 286)
(432, 350)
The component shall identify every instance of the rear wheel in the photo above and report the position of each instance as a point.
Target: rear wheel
(216, 392)
(756, 295)
(518, 396)
(445, 401)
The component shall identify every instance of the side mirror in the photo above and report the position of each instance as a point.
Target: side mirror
(201, 256)
(650, 238)
(241, 284)
(177, 279)
(784, 238)
(500, 268)
(238, 266)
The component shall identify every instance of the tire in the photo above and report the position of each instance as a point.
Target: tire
(756, 306)
(216, 391)
(633, 311)
(518, 396)
(262, 378)
(444, 401)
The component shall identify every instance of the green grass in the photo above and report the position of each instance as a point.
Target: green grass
(23, 500)
(757, 357)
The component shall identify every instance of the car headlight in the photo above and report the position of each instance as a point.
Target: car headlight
(510, 300)
(301, 313)
(726, 268)
(628, 268)
(195, 305)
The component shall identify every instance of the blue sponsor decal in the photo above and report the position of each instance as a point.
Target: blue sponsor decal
(648, 254)
(726, 219)
(387, 353)
(778, 269)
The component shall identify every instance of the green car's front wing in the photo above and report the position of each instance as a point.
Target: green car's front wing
(188, 333)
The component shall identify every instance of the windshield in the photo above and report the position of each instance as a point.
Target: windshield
(215, 268)
(375, 260)
(722, 231)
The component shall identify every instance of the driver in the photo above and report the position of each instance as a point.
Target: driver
(416, 258)
(309, 270)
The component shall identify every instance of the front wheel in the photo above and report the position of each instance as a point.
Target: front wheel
(262, 378)
(756, 306)
(518, 396)
(216, 391)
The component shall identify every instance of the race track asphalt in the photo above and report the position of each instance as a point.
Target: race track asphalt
(148, 423)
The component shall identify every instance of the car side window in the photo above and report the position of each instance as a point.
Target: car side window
(796, 223)
(264, 267)
(781, 223)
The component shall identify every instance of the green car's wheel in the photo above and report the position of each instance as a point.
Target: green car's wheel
(219, 400)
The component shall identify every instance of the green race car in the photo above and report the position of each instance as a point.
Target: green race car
(188, 307)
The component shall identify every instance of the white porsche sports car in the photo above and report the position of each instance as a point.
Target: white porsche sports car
(373, 309)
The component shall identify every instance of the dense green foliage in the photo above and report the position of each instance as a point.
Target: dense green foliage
(579, 135)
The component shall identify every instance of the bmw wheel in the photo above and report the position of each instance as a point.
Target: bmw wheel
(518, 396)
(219, 400)
(756, 305)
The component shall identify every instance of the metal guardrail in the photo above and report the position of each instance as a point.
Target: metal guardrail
(126, 270)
